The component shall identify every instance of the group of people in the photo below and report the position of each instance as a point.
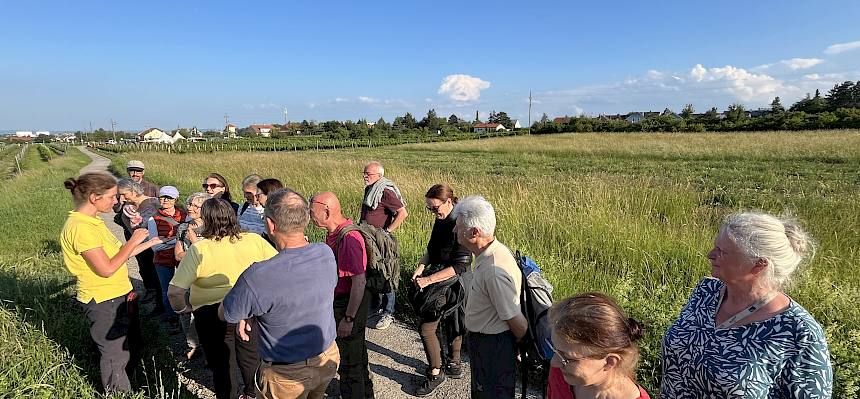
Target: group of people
(249, 291)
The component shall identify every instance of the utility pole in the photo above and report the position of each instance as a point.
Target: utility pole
(91, 131)
(226, 122)
(530, 112)
(113, 129)
(286, 121)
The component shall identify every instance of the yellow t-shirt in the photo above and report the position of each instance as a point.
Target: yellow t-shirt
(82, 233)
(210, 268)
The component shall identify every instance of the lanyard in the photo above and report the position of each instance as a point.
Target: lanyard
(744, 312)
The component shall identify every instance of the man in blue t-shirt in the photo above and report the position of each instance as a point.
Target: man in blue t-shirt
(290, 295)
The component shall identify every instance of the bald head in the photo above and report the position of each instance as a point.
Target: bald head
(326, 211)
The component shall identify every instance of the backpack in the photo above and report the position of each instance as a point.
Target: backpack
(535, 301)
(383, 256)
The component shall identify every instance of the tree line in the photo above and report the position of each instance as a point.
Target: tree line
(402, 126)
(838, 109)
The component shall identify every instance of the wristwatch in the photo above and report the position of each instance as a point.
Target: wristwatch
(349, 319)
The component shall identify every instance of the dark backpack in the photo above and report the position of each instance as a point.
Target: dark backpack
(535, 301)
(383, 256)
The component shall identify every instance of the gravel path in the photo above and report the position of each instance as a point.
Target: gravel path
(397, 358)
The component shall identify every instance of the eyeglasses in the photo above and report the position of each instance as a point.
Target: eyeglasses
(564, 360)
(369, 174)
(435, 209)
(258, 195)
(166, 198)
(212, 186)
(193, 205)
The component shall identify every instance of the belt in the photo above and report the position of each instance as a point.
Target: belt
(306, 361)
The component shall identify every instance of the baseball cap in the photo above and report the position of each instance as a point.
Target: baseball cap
(168, 191)
(134, 165)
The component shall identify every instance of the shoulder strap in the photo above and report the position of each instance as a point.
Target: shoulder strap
(171, 221)
(343, 232)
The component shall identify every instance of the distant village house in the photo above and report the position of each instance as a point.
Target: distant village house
(263, 130)
(489, 127)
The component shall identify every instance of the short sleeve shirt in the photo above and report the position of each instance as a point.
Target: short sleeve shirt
(210, 268)
(785, 356)
(494, 291)
(291, 297)
(82, 233)
(385, 212)
(351, 257)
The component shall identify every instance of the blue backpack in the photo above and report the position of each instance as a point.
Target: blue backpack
(535, 301)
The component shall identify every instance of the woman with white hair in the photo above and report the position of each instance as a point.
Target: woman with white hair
(740, 335)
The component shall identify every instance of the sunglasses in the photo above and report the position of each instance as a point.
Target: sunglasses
(166, 198)
(435, 209)
(211, 186)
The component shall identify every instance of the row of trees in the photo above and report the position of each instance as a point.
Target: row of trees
(405, 125)
(840, 108)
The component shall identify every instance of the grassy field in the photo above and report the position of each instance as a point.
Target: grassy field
(632, 215)
(43, 335)
(628, 214)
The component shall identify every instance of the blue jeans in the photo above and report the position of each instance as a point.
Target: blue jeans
(386, 302)
(165, 274)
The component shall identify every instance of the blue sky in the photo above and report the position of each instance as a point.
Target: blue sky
(166, 64)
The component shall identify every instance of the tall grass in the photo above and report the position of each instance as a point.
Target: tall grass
(631, 215)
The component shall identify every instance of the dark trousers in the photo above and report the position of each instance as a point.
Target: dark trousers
(148, 274)
(248, 358)
(144, 262)
(354, 371)
(225, 352)
(115, 329)
(493, 363)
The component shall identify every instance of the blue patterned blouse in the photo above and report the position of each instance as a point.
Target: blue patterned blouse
(784, 356)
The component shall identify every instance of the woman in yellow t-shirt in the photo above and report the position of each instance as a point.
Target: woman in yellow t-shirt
(97, 260)
(209, 269)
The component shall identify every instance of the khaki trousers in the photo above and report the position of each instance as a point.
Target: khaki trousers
(308, 379)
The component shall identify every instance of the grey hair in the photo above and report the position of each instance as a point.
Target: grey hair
(781, 242)
(288, 210)
(251, 180)
(130, 185)
(200, 195)
(476, 212)
(378, 166)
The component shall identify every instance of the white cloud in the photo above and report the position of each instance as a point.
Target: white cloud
(654, 74)
(739, 82)
(341, 100)
(812, 76)
(577, 110)
(801, 63)
(367, 100)
(463, 88)
(842, 47)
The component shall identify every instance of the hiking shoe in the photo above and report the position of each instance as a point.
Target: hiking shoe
(384, 321)
(430, 384)
(454, 370)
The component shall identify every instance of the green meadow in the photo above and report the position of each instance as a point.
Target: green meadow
(631, 215)
(43, 335)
